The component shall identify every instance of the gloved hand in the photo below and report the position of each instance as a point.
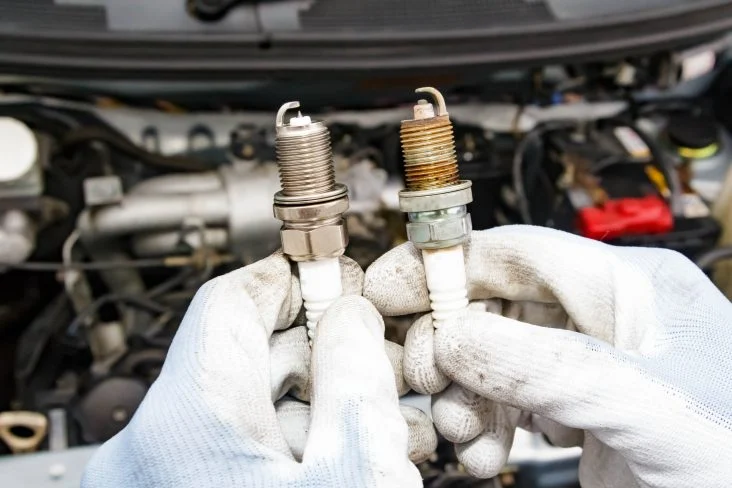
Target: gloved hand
(211, 420)
(634, 361)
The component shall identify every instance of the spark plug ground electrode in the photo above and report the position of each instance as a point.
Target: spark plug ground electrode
(311, 206)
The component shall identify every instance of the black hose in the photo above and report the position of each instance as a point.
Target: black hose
(667, 168)
(85, 135)
(34, 339)
(171, 283)
(92, 266)
(37, 119)
(518, 176)
(535, 136)
(708, 260)
(133, 300)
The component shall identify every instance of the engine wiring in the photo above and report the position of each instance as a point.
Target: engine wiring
(535, 138)
(140, 302)
(76, 126)
(708, 260)
(522, 148)
(91, 266)
(89, 134)
(168, 262)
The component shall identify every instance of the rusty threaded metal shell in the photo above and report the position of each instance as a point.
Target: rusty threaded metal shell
(305, 161)
(430, 159)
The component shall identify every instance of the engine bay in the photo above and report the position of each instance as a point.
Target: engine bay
(113, 213)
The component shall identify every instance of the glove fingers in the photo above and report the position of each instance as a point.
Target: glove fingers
(355, 412)
(220, 357)
(422, 435)
(290, 364)
(602, 466)
(494, 305)
(564, 376)
(396, 284)
(395, 353)
(486, 455)
(525, 266)
(273, 288)
(460, 415)
(215, 382)
(535, 313)
(351, 276)
(294, 419)
(522, 263)
(290, 350)
(558, 434)
(420, 369)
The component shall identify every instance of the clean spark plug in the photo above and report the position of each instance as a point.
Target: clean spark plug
(311, 206)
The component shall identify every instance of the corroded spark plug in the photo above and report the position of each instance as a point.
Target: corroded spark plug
(435, 200)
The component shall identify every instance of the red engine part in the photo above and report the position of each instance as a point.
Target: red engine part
(625, 216)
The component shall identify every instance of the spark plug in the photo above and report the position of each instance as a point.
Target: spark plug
(435, 201)
(311, 206)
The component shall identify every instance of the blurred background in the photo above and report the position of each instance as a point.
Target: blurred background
(137, 161)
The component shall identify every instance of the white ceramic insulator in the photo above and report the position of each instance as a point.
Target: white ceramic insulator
(424, 110)
(320, 284)
(300, 121)
(446, 282)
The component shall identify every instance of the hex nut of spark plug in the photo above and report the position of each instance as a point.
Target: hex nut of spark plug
(450, 227)
(321, 242)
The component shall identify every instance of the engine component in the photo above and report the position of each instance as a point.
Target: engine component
(625, 216)
(563, 170)
(311, 206)
(21, 186)
(58, 436)
(103, 190)
(145, 364)
(20, 167)
(211, 10)
(705, 153)
(435, 202)
(17, 236)
(225, 209)
(180, 242)
(108, 343)
(694, 137)
(107, 408)
(22, 431)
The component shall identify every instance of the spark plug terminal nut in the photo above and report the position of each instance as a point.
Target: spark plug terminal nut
(311, 204)
(435, 199)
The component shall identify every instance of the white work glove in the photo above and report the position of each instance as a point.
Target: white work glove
(634, 362)
(211, 419)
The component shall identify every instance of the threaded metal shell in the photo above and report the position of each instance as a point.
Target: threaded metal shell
(430, 159)
(305, 161)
